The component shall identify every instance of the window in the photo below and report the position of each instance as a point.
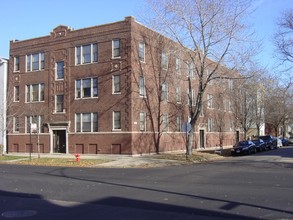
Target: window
(210, 124)
(164, 60)
(177, 65)
(210, 101)
(230, 84)
(86, 88)
(230, 106)
(116, 84)
(116, 120)
(178, 123)
(16, 64)
(191, 70)
(142, 91)
(164, 91)
(141, 51)
(16, 93)
(35, 62)
(36, 119)
(191, 97)
(59, 103)
(178, 94)
(165, 122)
(35, 93)
(116, 48)
(86, 122)
(15, 124)
(85, 54)
(142, 121)
(60, 70)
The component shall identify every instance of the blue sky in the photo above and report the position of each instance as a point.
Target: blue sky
(25, 19)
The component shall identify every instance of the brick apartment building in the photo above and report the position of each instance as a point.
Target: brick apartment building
(101, 90)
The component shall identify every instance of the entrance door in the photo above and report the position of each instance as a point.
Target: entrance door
(201, 138)
(59, 141)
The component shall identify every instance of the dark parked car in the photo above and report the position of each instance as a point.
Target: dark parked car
(270, 142)
(285, 142)
(259, 144)
(243, 147)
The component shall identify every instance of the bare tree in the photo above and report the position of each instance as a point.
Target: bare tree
(211, 30)
(283, 38)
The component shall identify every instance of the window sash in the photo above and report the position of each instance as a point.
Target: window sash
(86, 54)
(165, 122)
(15, 124)
(117, 120)
(116, 84)
(164, 60)
(141, 51)
(116, 48)
(86, 88)
(35, 62)
(142, 91)
(16, 64)
(60, 70)
(16, 93)
(86, 122)
(35, 92)
(59, 103)
(38, 119)
(164, 91)
(142, 121)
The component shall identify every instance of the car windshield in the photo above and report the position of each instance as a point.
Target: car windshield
(242, 143)
(265, 137)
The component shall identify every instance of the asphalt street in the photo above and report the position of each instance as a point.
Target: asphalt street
(258, 186)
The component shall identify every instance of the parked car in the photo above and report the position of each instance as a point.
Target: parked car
(259, 144)
(243, 147)
(270, 142)
(285, 142)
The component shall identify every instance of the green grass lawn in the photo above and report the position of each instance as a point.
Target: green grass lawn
(8, 158)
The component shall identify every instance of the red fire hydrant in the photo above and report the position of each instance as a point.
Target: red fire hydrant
(77, 156)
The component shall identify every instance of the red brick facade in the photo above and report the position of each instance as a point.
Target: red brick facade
(82, 90)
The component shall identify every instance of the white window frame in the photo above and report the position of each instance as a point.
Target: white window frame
(29, 119)
(114, 84)
(16, 64)
(56, 104)
(142, 121)
(91, 88)
(79, 60)
(142, 89)
(41, 62)
(114, 48)
(141, 46)
(15, 124)
(92, 115)
(209, 101)
(30, 98)
(56, 70)
(165, 123)
(177, 65)
(164, 60)
(178, 95)
(164, 91)
(210, 125)
(16, 93)
(115, 127)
